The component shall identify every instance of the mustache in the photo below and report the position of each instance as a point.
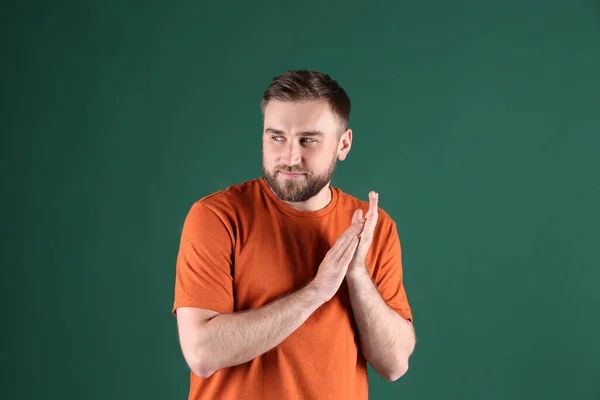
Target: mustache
(291, 169)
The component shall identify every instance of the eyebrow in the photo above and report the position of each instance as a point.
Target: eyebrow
(304, 133)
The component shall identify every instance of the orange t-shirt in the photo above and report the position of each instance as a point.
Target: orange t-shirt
(242, 248)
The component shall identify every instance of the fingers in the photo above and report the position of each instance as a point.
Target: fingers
(371, 217)
(366, 236)
(372, 214)
(357, 215)
(373, 200)
(345, 240)
(349, 253)
(354, 230)
(361, 228)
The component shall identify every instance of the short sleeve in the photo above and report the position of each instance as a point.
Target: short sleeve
(388, 275)
(204, 262)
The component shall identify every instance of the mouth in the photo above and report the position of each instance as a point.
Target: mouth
(291, 175)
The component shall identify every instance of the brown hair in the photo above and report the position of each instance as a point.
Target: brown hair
(304, 85)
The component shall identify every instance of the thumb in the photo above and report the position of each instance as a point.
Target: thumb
(357, 215)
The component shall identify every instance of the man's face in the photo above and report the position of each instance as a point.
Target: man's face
(300, 148)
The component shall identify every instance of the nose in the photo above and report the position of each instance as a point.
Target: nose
(292, 153)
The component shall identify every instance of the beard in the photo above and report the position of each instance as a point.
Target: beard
(299, 189)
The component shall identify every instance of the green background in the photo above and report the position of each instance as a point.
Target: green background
(477, 122)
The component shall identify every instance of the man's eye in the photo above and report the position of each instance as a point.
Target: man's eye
(302, 140)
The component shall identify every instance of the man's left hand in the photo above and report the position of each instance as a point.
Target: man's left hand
(359, 262)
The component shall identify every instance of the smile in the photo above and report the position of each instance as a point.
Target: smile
(291, 175)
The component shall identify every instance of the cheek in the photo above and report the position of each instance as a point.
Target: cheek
(269, 157)
(271, 152)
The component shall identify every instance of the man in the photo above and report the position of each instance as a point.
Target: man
(286, 286)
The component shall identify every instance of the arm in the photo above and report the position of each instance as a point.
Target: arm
(211, 341)
(387, 340)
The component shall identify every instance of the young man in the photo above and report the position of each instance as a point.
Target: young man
(286, 286)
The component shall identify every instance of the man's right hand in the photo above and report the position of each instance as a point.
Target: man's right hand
(332, 269)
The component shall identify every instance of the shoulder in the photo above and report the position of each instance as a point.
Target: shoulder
(225, 205)
(231, 198)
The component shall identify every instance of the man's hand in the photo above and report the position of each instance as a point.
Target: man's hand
(387, 339)
(332, 269)
(359, 262)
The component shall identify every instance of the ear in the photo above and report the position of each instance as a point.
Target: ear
(344, 144)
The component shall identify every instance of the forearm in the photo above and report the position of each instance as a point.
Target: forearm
(235, 338)
(387, 340)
